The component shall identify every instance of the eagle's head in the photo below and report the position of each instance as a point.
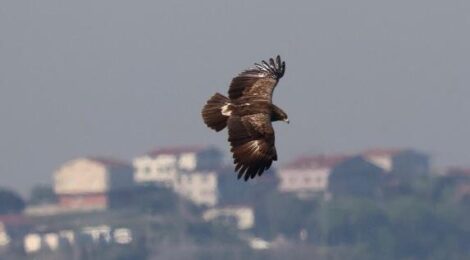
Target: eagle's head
(279, 115)
(284, 117)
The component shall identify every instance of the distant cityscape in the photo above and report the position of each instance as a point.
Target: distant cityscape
(96, 202)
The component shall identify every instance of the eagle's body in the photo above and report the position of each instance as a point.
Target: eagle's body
(247, 113)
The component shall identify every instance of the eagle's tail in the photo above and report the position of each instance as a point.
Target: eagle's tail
(215, 113)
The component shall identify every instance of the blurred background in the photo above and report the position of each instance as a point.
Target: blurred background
(104, 155)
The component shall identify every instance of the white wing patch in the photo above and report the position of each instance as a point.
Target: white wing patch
(226, 110)
(255, 146)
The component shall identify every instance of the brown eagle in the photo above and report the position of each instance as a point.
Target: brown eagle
(248, 112)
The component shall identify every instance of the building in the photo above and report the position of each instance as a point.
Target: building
(199, 187)
(87, 236)
(459, 173)
(355, 176)
(399, 161)
(4, 237)
(91, 183)
(243, 215)
(13, 227)
(308, 174)
(191, 171)
(164, 165)
(456, 179)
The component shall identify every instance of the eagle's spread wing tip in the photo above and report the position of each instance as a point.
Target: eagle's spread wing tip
(260, 78)
(276, 66)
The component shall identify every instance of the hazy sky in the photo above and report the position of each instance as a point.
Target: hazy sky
(118, 78)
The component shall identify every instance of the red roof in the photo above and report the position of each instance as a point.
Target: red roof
(382, 152)
(458, 171)
(109, 161)
(318, 161)
(234, 205)
(175, 150)
(14, 220)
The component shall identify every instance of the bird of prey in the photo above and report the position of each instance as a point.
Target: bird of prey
(247, 112)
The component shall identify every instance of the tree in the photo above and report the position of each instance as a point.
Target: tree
(42, 194)
(355, 177)
(281, 214)
(235, 191)
(10, 202)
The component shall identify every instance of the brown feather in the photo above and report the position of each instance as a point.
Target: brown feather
(259, 81)
(212, 112)
(251, 112)
(252, 141)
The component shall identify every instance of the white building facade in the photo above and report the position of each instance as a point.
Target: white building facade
(189, 171)
(308, 174)
(86, 182)
(244, 215)
(401, 161)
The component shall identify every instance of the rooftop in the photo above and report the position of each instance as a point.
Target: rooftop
(458, 171)
(176, 150)
(383, 151)
(14, 220)
(108, 161)
(317, 161)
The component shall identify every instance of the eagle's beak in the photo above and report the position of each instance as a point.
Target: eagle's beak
(286, 120)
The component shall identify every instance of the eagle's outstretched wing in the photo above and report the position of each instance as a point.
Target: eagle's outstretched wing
(258, 82)
(252, 141)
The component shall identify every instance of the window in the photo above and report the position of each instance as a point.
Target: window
(207, 192)
(187, 161)
(147, 170)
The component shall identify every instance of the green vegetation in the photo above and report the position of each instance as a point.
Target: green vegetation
(416, 224)
(42, 194)
(417, 217)
(10, 202)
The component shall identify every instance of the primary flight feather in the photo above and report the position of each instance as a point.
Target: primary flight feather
(247, 112)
